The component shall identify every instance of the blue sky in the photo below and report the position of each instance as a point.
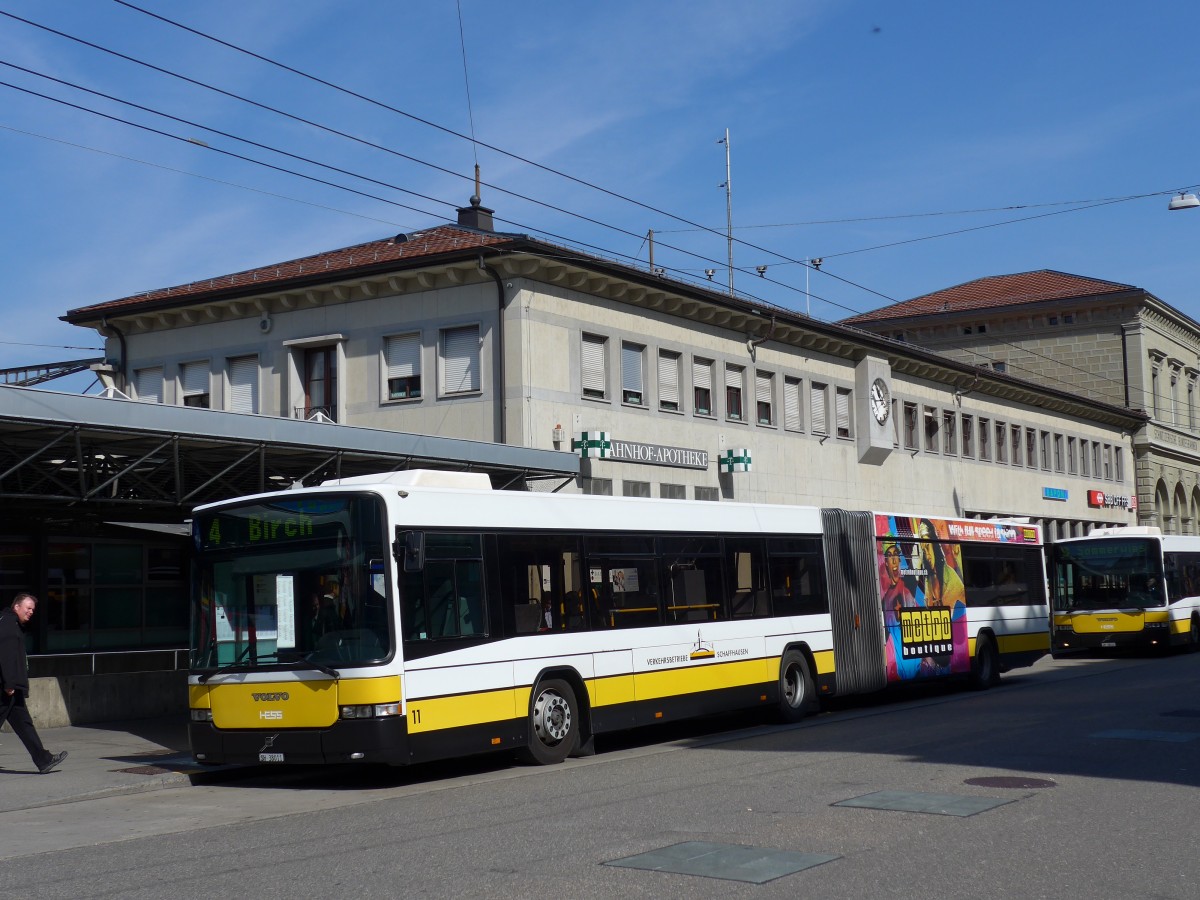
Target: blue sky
(854, 125)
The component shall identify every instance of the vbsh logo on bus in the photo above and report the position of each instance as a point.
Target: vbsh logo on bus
(925, 632)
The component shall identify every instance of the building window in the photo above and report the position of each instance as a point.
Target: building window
(194, 385)
(816, 408)
(710, 494)
(1173, 411)
(949, 436)
(601, 487)
(1084, 461)
(968, 436)
(668, 380)
(149, 384)
(1154, 391)
(931, 430)
(594, 367)
(635, 489)
(999, 366)
(764, 393)
(1001, 442)
(1072, 457)
(243, 384)
(793, 409)
(320, 383)
(402, 358)
(460, 360)
(1108, 473)
(1031, 448)
(1118, 464)
(910, 426)
(1058, 453)
(1095, 459)
(702, 379)
(733, 392)
(632, 383)
(1045, 448)
(1015, 444)
(842, 399)
(1191, 403)
(985, 438)
(672, 491)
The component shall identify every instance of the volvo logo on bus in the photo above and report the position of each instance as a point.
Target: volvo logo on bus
(270, 698)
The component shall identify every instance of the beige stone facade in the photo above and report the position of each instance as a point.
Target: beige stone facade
(1115, 343)
(463, 333)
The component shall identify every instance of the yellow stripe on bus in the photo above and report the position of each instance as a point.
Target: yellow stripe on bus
(437, 713)
(1022, 643)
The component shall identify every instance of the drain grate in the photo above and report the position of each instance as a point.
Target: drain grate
(934, 804)
(1015, 782)
(1132, 734)
(730, 862)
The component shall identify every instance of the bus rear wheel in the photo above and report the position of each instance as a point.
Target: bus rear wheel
(553, 723)
(1193, 643)
(985, 667)
(797, 693)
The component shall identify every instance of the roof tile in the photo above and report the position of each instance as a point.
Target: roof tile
(994, 291)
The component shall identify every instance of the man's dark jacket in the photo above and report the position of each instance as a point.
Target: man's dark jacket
(14, 668)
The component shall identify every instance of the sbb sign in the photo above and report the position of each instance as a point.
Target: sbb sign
(1101, 500)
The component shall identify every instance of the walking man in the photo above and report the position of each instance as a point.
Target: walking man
(14, 682)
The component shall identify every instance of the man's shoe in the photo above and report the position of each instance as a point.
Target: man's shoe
(52, 762)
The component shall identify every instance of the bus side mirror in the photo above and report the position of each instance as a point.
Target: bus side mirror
(409, 550)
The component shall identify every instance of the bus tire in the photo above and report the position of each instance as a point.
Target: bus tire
(797, 692)
(553, 723)
(1193, 642)
(985, 667)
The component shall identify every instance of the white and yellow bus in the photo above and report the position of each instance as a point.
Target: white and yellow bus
(1125, 587)
(421, 615)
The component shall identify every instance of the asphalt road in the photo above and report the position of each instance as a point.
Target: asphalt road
(1098, 761)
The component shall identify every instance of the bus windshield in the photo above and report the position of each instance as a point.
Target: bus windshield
(291, 581)
(1108, 574)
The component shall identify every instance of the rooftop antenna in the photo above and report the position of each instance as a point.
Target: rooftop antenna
(728, 185)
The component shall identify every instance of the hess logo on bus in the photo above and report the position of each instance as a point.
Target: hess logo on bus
(270, 697)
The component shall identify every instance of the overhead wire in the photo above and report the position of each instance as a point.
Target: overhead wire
(776, 254)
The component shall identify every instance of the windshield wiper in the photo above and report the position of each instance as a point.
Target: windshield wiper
(227, 667)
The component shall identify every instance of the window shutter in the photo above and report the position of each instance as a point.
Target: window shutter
(762, 388)
(194, 378)
(631, 369)
(149, 384)
(403, 355)
(791, 405)
(843, 413)
(243, 384)
(461, 359)
(816, 406)
(593, 367)
(733, 377)
(702, 375)
(668, 379)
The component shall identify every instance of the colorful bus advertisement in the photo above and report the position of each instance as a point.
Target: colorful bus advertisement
(922, 587)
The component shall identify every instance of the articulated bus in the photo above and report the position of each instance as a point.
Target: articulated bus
(421, 615)
(1125, 587)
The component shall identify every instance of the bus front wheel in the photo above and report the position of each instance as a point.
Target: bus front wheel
(797, 693)
(553, 723)
(985, 667)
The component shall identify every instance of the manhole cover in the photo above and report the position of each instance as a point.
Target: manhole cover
(144, 770)
(732, 862)
(1016, 782)
(918, 802)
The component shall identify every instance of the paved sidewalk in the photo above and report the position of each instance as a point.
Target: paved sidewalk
(103, 759)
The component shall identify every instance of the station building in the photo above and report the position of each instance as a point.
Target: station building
(665, 388)
(1115, 343)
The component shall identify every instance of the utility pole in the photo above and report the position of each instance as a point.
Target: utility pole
(728, 185)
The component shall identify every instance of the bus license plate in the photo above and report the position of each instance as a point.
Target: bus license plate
(270, 757)
(1102, 644)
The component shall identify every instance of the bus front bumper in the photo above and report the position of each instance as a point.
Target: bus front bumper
(382, 740)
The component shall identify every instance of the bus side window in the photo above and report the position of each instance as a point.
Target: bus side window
(746, 575)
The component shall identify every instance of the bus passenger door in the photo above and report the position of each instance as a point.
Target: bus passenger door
(855, 609)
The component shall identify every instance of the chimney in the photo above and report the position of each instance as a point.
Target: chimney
(476, 215)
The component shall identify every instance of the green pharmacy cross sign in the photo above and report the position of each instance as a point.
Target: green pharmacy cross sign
(734, 460)
(593, 445)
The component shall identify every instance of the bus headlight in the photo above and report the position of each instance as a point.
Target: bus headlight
(202, 715)
(371, 711)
